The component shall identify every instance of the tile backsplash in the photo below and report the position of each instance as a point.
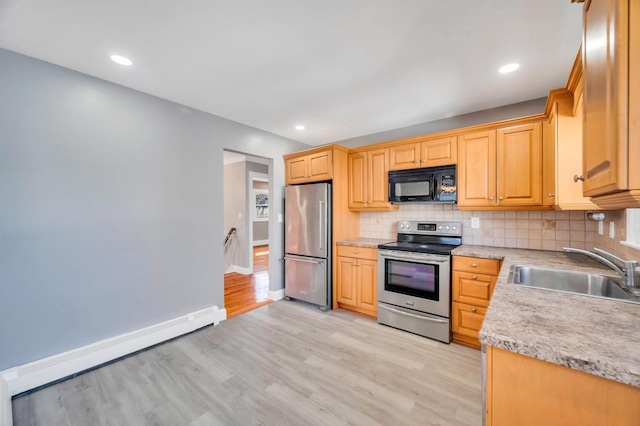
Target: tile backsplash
(543, 230)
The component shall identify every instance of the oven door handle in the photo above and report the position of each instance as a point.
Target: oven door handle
(417, 258)
(397, 311)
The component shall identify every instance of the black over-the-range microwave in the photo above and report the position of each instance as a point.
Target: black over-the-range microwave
(425, 185)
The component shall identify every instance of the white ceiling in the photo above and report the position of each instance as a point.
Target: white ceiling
(343, 68)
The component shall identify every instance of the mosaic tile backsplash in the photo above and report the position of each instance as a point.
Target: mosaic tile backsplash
(542, 230)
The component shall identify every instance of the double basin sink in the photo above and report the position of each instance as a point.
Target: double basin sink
(604, 286)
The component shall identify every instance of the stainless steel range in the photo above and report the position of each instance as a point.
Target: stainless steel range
(414, 278)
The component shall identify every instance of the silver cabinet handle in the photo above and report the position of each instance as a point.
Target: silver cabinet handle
(397, 311)
(577, 178)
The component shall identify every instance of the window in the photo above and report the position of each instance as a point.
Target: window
(633, 228)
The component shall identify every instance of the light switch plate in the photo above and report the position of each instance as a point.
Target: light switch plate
(600, 228)
(612, 229)
(475, 222)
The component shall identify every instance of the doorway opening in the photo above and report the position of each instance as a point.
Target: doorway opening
(246, 226)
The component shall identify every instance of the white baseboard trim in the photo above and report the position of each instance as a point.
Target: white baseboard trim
(260, 243)
(239, 269)
(276, 295)
(34, 374)
(6, 413)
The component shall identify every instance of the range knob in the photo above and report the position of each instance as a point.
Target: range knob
(454, 227)
(447, 227)
(440, 227)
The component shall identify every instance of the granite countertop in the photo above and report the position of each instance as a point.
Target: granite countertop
(363, 242)
(594, 335)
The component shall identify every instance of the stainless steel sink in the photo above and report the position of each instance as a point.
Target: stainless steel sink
(606, 286)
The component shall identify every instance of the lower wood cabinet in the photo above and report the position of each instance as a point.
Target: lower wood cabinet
(526, 391)
(472, 286)
(356, 286)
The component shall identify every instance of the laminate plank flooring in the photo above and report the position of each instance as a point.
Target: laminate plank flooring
(285, 363)
(243, 293)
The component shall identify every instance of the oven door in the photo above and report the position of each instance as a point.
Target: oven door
(416, 281)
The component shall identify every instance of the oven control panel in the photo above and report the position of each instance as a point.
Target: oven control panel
(430, 228)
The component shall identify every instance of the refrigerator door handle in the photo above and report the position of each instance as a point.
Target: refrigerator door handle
(320, 230)
(300, 259)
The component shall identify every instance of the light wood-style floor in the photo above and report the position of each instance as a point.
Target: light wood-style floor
(282, 364)
(243, 293)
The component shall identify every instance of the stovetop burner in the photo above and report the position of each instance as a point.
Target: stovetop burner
(426, 237)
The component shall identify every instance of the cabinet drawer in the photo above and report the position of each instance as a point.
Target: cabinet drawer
(359, 252)
(467, 319)
(476, 264)
(475, 289)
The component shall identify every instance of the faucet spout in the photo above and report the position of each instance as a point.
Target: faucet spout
(599, 258)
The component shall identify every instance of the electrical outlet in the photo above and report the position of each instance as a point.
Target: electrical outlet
(475, 222)
(279, 217)
(612, 229)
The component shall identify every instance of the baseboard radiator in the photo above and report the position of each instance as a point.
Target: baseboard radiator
(34, 374)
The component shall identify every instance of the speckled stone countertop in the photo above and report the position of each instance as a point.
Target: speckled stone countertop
(363, 242)
(594, 335)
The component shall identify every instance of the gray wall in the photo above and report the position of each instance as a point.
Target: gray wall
(110, 208)
(521, 109)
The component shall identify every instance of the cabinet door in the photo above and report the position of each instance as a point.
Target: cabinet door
(605, 70)
(296, 170)
(569, 160)
(439, 152)
(367, 297)
(320, 166)
(358, 180)
(346, 286)
(549, 159)
(467, 319)
(519, 165)
(406, 156)
(477, 169)
(378, 178)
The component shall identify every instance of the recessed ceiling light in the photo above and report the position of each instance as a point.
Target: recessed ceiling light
(121, 60)
(300, 127)
(509, 68)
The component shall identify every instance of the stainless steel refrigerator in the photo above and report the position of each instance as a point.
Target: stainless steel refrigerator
(307, 244)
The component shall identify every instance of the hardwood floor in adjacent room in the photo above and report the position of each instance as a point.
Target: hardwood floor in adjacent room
(243, 293)
(286, 363)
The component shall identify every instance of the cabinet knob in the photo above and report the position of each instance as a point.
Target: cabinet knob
(416, 161)
(423, 161)
(355, 252)
(490, 198)
(474, 265)
(500, 198)
(577, 178)
(551, 195)
(474, 309)
(474, 277)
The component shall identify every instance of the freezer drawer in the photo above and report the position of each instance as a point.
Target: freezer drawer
(306, 278)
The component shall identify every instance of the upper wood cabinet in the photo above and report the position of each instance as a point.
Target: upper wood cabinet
(501, 168)
(368, 180)
(434, 152)
(611, 137)
(313, 167)
(563, 154)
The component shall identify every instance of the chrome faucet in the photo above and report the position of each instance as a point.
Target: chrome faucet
(628, 273)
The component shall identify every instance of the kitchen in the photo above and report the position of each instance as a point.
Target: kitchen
(493, 230)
